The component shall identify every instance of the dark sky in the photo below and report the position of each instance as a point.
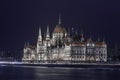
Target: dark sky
(20, 19)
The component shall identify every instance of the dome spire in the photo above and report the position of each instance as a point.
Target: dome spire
(59, 20)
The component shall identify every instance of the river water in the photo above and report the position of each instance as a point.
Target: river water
(44, 73)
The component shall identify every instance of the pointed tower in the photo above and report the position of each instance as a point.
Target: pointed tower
(58, 33)
(104, 51)
(103, 43)
(40, 35)
(103, 40)
(25, 45)
(59, 20)
(81, 35)
(28, 44)
(98, 40)
(40, 47)
(47, 34)
(24, 51)
(39, 44)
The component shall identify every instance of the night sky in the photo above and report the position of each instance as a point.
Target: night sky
(20, 19)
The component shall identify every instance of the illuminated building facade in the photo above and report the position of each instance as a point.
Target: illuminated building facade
(62, 47)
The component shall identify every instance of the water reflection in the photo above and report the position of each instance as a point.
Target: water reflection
(42, 73)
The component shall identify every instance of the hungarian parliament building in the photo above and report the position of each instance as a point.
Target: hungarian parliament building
(62, 46)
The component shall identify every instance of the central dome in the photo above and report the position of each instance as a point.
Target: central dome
(59, 29)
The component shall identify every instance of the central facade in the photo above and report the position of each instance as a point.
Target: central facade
(62, 47)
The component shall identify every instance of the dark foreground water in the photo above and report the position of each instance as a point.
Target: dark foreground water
(42, 73)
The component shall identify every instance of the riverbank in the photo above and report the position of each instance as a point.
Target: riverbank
(74, 65)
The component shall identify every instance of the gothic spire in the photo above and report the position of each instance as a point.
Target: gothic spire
(103, 40)
(47, 34)
(82, 37)
(90, 39)
(25, 44)
(40, 35)
(28, 43)
(59, 20)
(81, 31)
(98, 39)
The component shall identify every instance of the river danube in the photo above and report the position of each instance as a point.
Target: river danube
(44, 73)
